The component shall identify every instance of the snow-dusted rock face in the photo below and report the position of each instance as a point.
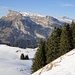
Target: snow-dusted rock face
(65, 19)
(25, 29)
(44, 20)
(64, 65)
(32, 15)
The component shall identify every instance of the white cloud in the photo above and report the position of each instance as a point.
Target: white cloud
(68, 5)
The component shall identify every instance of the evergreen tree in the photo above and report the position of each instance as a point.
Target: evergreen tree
(70, 35)
(53, 45)
(60, 42)
(65, 39)
(40, 57)
(22, 56)
(73, 33)
(26, 57)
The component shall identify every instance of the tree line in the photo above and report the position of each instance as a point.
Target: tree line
(61, 41)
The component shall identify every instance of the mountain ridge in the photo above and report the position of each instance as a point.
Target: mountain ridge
(25, 29)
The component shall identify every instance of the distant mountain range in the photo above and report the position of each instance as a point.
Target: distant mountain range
(24, 29)
(65, 19)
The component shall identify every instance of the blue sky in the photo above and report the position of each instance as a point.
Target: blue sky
(55, 8)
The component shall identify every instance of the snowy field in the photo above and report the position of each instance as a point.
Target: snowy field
(10, 63)
(64, 65)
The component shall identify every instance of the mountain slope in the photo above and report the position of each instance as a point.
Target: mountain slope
(26, 29)
(10, 63)
(64, 65)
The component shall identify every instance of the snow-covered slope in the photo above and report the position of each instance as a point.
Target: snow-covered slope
(64, 65)
(10, 63)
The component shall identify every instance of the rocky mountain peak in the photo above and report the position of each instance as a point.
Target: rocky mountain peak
(9, 11)
(12, 15)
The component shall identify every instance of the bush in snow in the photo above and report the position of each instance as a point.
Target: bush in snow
(26, 57)
(22, 57)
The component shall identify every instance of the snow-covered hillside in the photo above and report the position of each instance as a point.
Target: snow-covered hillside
(64, 65)
(10, 63)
